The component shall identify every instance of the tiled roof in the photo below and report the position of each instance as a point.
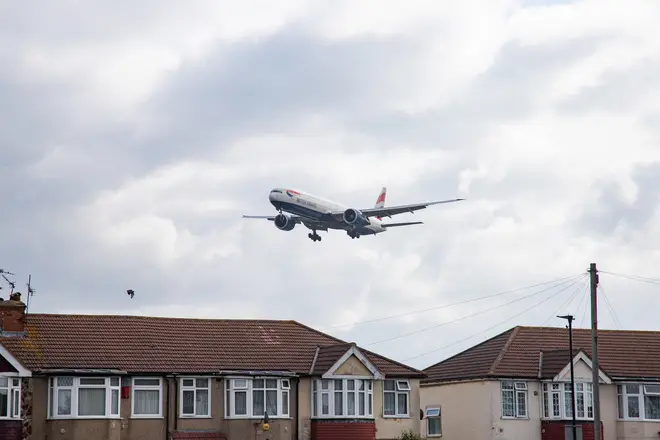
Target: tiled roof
(515, 353)
(141, 344)
(553, 361)
(327, 356)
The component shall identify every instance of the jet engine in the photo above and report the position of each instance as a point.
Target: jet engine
(355, 217)
(283, 222)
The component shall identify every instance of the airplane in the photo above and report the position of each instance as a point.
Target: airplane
(318, 214)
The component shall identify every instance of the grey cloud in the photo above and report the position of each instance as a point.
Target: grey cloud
(506, 91)
(607, 209)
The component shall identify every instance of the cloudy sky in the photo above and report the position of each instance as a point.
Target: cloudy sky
(134, 138)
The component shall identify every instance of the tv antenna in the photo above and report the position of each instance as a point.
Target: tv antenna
(31, 291)
(11, 283)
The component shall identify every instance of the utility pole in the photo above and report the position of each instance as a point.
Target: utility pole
(593, 272)
(570, 359)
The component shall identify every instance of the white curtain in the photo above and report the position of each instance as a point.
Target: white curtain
(202, 402)
(91, 401)
(146, 402)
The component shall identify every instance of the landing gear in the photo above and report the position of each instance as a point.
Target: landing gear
(314, 236)
(353, 234)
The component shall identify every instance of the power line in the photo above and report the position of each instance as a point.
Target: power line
(583, 301)
(581, 276)
(564, 304)
(615, 318)
(414, 312)
(633, 277)
(500, 323)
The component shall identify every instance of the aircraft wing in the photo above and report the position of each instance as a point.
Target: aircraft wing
(389, 211)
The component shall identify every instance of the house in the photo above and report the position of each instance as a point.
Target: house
(516, 386)
(75, 377)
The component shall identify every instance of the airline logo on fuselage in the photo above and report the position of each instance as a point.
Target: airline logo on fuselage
(291, 193)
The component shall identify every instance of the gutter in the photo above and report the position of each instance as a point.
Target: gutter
(83, 371)
(257, 373)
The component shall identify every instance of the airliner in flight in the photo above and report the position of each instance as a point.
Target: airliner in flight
(318, 214)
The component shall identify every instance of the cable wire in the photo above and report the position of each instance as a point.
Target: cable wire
(633, 277)
(564, 304)
(583, 301)
(581, 276)
(500, 323)
(449, 305)
(615, 318)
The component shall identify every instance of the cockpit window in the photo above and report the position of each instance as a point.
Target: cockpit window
(276, 191)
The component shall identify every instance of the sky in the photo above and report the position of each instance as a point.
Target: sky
(135, 137)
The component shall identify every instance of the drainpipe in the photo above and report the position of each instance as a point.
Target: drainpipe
(167, 407)
(176, 403)
(297, 418)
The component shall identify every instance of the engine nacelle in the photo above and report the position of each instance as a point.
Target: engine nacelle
(283, 222)
(354, 217)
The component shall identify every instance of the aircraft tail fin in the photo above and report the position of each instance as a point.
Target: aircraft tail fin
(380, 201)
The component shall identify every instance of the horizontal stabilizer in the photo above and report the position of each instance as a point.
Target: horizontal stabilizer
(391, 225)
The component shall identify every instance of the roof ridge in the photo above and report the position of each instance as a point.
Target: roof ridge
(160, 318)
(505, 348)
(587, 329)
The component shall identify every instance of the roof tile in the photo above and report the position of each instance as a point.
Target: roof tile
(140, 344)
(515, 353)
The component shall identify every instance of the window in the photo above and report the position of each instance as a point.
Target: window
(558, 403)
(10, 398)
(337, 398)
(252, 397)
(147, 397)
(433, 422)
(639, 401)
(83, 397)
(514, 399)
(395, 398)
(195, 397)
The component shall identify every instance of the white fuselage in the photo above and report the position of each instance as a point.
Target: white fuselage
(316, 208)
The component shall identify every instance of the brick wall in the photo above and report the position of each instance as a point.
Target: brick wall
(343, 429)
(11, 429)
(556, 430)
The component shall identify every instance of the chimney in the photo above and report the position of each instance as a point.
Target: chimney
(12, 314)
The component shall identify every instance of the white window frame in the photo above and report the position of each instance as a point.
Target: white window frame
(432, 413)
(582, 389)
(112, 385)
(194, 388)
(625, 391)
(235, 384)
(158, 388)
(13, 389)
(318, 392)
(518, 388)
(401, 388)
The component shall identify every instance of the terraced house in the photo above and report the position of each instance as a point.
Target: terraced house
(75, 377)
(517, 387)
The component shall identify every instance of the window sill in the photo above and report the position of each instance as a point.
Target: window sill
(638, 420)
(79, 418)
(146, 417)
(402, 416)
(187, 416)
(343, 418)
(520, 418)
(251, 417)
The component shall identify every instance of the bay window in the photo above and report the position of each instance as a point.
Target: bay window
(342, 398)
(514, 399)
(146, 401)
(558, 401)
(253, 397)
(195, 397)
(10, 398)
(83, 397)
(396, 398)
(639, 401)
